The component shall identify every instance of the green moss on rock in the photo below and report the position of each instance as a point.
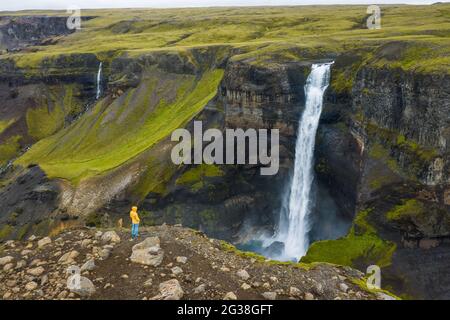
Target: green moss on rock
(9, 149)
(50, 115)
(361, 246)
(195, 178)
(410, 209)
(5, 231)
(244, 254)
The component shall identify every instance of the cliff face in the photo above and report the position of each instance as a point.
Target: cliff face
(416, 108)
(384, 145)
(382, 148)
(405, 175)
(19, 32)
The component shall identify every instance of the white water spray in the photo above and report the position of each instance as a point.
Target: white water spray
(99, 81)
(294, 233)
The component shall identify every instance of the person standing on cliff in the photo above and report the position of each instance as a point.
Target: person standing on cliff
(134, 223)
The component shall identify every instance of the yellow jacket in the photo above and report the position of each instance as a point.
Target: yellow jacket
(134, 215)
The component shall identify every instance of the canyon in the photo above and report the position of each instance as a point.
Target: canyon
(85, 132)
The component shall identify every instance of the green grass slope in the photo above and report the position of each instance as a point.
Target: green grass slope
(111, 134)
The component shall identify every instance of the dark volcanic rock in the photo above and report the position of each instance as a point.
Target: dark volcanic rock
(18, 32)
(275, 249)
(386, 149)
(27, 201)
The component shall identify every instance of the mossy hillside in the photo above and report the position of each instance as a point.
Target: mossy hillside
(9, 149)
(432, 56)
(196, 177)
(158, 172)
(84, 149)
(53, 106)
(360, 248)
(5, 231)
(4, 124)
(155, 179)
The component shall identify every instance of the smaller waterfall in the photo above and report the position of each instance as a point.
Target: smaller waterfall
(99, 81)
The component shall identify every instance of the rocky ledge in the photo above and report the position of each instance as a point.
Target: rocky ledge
(166, 262)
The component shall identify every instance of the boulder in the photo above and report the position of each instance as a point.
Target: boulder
(36, 271)
(148, 252)
(88, 265)
(309, 296)
(182, 260)
(110, 236)
(104, 254)
(68, 257)
(245, 286)
(148, 282)
(384, 296)
(230, 296)
(98, 235)
(270, 295)
(200, 289)
(176, 270)
(295, 292)
(85, 243)
(343, 287)
(30, 286)
(147, 243)
(170, 290)
(152, 256)
(8, 267)
(6, 260)
(243, 274)
(85, 288)
(43, 242)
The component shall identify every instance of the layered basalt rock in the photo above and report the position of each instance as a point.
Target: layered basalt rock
(386, 148)
(264, 97)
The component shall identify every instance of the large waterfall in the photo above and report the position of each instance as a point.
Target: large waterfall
(99, 81)
(294, 231)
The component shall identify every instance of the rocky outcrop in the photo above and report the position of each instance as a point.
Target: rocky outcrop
(414, 109)
(19, 32)
(264, 97)
(210, 270)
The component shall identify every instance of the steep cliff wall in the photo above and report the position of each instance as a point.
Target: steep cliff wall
(384, 144)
